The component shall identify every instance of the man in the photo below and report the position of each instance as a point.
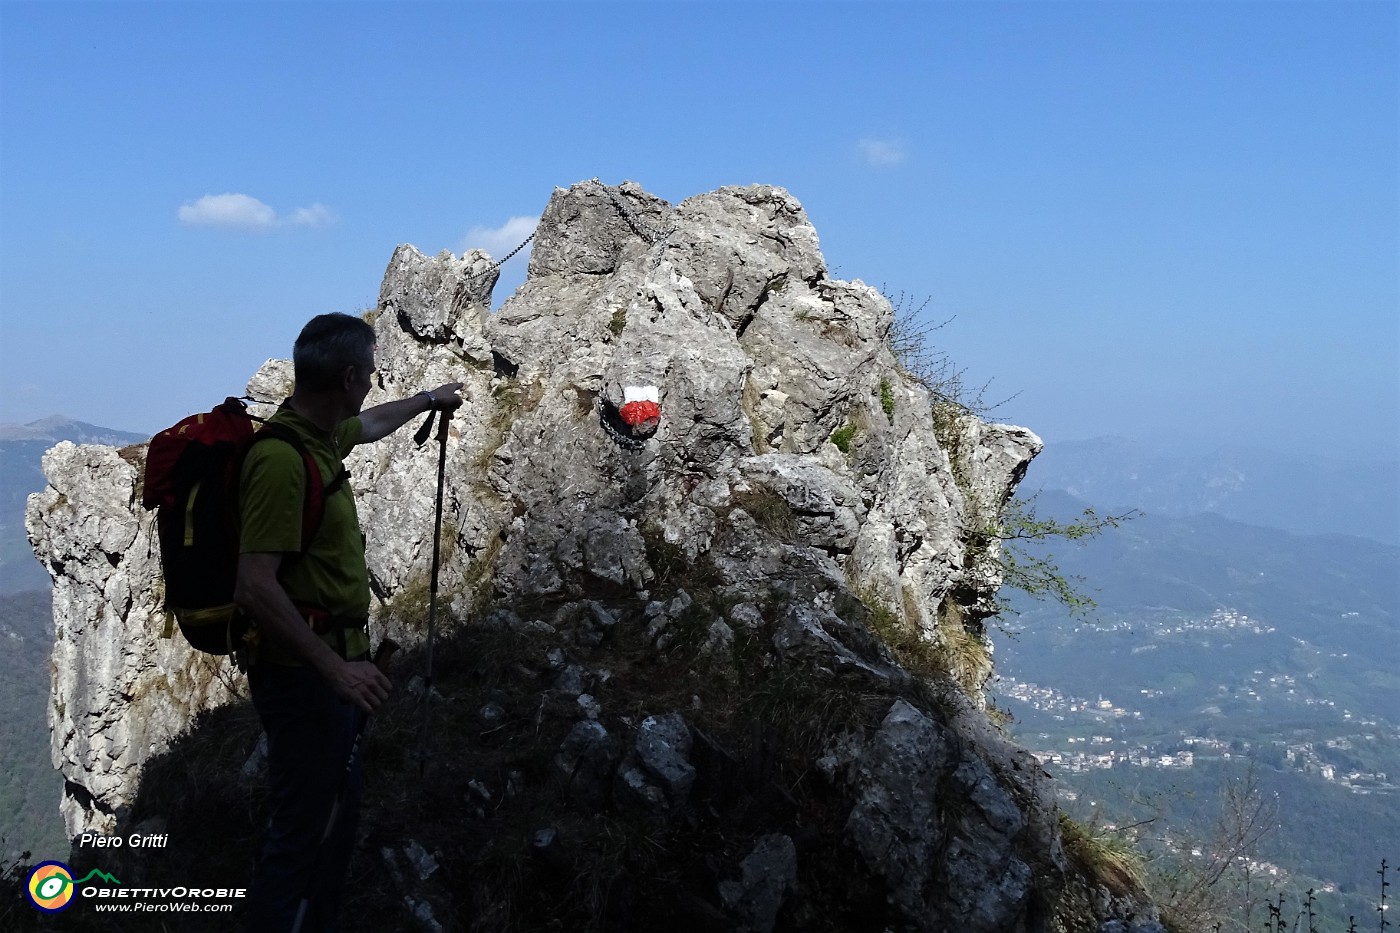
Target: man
(311, 678)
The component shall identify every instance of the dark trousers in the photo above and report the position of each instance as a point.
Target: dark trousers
(309, 735)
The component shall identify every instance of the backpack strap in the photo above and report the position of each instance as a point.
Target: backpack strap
(312, 515)
(317, 492)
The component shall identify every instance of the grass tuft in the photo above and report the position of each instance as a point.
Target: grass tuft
(1103, 855)
(887, 399)
(842, 437)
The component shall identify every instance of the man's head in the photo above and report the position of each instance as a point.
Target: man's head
(335, 353)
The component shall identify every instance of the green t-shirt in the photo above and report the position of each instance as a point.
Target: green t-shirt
(331, 573)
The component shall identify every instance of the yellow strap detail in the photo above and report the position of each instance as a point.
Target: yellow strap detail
(189, 516)
(212, 614)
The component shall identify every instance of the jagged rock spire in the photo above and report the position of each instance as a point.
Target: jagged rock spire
(794, 461)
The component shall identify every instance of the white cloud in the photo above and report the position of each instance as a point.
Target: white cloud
(499, 240)
(231, 211)
(317, 215)
(244, 212)
(881, 153)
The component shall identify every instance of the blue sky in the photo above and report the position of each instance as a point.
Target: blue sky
(1174, 221)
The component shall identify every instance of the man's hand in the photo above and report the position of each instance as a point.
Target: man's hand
(360, 683)
(260, 594)
(446, 397)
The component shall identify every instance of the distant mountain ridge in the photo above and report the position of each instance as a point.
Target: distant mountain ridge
(1305, 493)
(30, 787)
(57, 428)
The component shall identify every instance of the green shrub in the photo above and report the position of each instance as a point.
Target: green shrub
(842, 436)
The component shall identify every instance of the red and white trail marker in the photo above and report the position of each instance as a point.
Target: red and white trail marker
(641, 408)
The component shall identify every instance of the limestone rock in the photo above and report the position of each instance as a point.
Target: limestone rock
(663, 748)
(767, 874)
(587, 760)
(798, 486)
(120, 690)
(896, 819)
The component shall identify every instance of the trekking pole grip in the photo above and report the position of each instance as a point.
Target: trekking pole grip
(420, 436)
(387, 648)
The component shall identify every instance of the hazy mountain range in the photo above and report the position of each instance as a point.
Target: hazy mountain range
(1304, 492)
(57, 428)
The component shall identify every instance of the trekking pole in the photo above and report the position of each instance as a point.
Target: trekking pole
(444, 418)
(387, 647)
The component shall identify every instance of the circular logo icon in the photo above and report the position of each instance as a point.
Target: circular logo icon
(50, 887)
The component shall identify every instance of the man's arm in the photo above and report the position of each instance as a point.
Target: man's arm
(382, 420)
(260, 595)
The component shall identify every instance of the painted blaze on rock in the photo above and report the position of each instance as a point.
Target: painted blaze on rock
(641, 409)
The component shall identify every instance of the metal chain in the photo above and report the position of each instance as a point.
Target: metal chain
(645, 230)
(504, 259)
(628, 443)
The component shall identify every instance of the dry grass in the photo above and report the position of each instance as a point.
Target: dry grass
(770, 511)
(1104, 856)
(957, 654)
(510, 401)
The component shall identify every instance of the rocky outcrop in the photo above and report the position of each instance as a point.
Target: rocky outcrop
(796, 503)
(120, 690)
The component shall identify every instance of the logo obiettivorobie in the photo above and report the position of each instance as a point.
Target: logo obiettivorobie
(51, 886)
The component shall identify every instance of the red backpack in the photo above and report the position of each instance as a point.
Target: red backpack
(191, 480)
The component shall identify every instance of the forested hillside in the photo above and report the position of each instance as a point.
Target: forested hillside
(29, 785)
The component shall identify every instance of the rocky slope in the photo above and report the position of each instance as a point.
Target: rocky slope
(797, 518)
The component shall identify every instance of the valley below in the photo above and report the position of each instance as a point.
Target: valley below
(1222, 657)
